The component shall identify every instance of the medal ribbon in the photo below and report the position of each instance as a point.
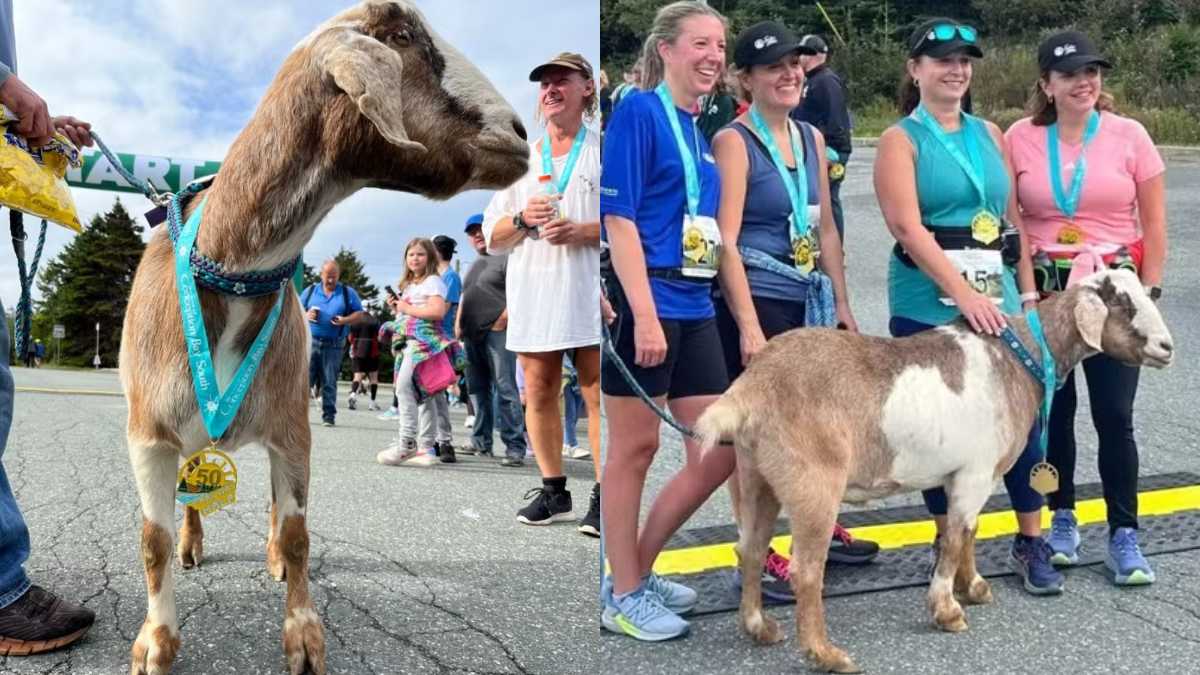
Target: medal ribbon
(972, 163)
(217, 409)
(797, 189)
(691, 176)
(548, 163)
(1069, 203)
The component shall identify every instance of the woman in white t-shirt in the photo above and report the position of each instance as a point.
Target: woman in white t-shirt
(553, 282)
(419, 312)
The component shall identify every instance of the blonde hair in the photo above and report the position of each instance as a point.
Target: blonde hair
(431, 263)
(1042, 109)
(668, 24)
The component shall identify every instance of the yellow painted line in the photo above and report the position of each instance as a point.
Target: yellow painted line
(895, 535)
(70, 392)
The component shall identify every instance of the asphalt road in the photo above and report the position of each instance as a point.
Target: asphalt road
(427, 570)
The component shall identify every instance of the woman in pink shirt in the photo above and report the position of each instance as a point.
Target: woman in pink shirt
(1090, 187)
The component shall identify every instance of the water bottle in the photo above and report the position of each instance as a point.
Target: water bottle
(550, 190)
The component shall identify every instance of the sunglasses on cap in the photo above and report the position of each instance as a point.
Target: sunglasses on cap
(943, 32)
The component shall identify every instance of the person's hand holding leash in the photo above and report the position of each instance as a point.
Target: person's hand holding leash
(77, 130)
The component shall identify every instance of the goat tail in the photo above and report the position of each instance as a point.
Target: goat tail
(720, 423)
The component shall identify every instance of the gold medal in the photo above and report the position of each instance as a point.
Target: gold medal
(837, 170)
(1070, 234)
(207, 481)
(802, 254)
(1043, 478)
(985, 227)
(694, 246)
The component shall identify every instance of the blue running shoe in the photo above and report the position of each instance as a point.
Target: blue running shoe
(642, 616)
(1064, 538)
(1125, 559)
(1030, 559)
(674, 596)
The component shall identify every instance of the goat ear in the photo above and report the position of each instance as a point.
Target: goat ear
(370, 74)
(1090, 314)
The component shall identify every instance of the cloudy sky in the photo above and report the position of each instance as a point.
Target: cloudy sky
(181, 78)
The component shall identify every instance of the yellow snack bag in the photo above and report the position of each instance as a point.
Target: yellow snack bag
(33, 180)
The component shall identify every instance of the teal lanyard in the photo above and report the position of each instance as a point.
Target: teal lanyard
(1049, 375)
(216, 409)
(972, 162)
(1069, 203)
(797, 189)
(548, 163)
(691, 175)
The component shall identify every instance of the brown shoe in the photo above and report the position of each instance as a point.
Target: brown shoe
(40, 621)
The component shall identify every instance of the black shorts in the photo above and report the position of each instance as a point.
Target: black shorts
(774, 317)
(694, 365)
(367, 364)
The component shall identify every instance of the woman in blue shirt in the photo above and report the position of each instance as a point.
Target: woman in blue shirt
(767, 161)
(659, 195)
(943, 180)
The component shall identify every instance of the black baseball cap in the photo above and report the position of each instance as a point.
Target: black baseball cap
(765, 43)
(942, 37)
(1069, 51)
(815, 43)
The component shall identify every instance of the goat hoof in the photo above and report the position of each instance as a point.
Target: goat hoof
(833, 660)
(761, 628)
(154, 650)
(304, 642)
(951, 618)
(190, 553)
(980, 592)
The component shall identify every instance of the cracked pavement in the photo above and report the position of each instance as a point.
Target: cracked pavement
(413, 570)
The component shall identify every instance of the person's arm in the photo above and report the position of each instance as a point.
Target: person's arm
(1025, 283)
(563, 232)
(433, 310)
(629, 263)
(1152, 211)
(832, 261)
(29, 108)
(834, 115)
(501, 322)
(730, 152)
(896, 190)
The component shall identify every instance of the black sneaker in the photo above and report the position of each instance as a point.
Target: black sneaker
(547, 507)
(850, 551)
(590, 525)
(512, 461)
(446, 453)
(40, 621)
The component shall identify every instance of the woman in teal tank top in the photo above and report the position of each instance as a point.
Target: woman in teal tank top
(944, 185)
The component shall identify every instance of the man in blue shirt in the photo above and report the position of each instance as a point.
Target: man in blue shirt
(331, 308)
(32, 619)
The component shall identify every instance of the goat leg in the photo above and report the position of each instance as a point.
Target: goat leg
(967, 580)
(275, 566)
(303, 633)
(157, 643)
(757, 510)
(812, 520)
(191, 539)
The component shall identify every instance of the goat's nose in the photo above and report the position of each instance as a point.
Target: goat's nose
(519, 128)
(1166, 346)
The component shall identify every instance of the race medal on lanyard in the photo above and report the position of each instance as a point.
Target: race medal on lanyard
(985, 225)
(800, 231)
(1068, 202)
(700, 236)
(568, 168)
(208, 479)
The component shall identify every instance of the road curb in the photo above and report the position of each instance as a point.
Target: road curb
(1167, 151)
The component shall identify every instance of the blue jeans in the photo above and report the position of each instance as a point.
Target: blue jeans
(491, 365)
(1022, 495)
(572, 403)
(14, 536)
(329, 352)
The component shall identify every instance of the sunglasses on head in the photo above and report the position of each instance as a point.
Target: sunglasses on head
(946, 31)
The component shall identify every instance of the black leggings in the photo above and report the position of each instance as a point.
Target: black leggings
(1111, 388)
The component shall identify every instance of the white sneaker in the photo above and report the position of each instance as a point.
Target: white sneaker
(470, 422)
(373, 406)
(395, 455)
(353, 402)
(422, 459)
(579, 453)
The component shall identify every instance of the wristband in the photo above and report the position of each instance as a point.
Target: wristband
(1031, 296)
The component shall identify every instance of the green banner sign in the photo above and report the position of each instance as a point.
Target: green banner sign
(167, 174)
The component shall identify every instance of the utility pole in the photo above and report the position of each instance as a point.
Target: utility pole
(96, 360)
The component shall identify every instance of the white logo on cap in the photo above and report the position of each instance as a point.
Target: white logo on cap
(1063, 50)
(765, 41)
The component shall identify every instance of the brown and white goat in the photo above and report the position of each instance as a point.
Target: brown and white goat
(824, 416)
(372, 98)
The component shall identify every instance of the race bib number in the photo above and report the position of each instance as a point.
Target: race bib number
(701, 247)
(982, 269)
